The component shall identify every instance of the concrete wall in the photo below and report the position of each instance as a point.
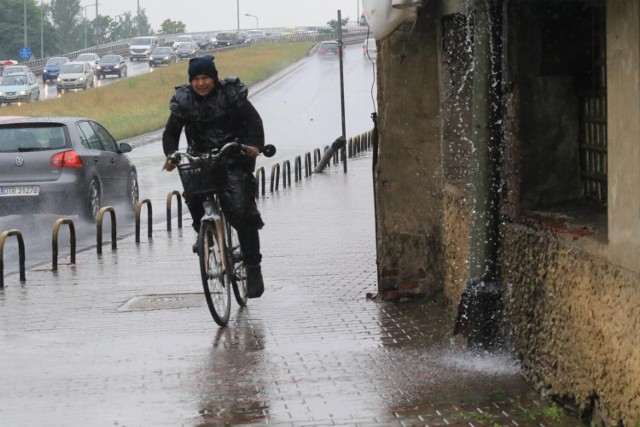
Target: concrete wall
(623, 105)
(409, 172)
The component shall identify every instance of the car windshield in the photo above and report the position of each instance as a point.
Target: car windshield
(56, 61)
(162, 50)
(14, 80)
(72, 68)
(109, 58)
(183, 39)
(19, 138)
(224, 36)
(141, 41)
(330, 45)
(9, 70)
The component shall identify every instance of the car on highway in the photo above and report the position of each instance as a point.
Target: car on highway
(141, 47)
(66, 165)
(226, 38)
(14, 68)
(52, 68)
(204, 41)
(162, 56)
(90, 57)
(254, 36)
(19, 87)
(328, 49)
(181, 40)
(111, 65)
(75, 75)
(187, 50)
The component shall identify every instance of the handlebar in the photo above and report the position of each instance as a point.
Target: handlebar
(228, 149)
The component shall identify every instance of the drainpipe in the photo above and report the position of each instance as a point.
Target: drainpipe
(480, 309)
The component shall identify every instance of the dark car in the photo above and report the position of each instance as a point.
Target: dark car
(204, 41)
(329, 49)
(52, 68)
(226, 39)
(111, 65)
(187, 50)
(69, 165)
(162, 56)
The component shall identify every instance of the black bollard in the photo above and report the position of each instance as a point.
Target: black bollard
(336, 145)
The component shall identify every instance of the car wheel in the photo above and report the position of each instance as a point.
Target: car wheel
(133, 193)
(93, 202)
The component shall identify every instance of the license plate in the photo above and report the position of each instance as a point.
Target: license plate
(20, 190)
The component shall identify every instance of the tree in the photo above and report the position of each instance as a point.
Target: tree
(68, 19)
(172, 27)
(142, 24)
(334, 24)
(12, 29)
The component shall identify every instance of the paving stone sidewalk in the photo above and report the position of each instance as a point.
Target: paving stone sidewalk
(125, 338)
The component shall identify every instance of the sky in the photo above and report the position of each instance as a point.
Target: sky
(216, 15)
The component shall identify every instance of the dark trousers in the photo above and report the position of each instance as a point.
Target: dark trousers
(239, 206)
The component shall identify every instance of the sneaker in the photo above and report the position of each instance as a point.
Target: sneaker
(255, 285)
(194, 248)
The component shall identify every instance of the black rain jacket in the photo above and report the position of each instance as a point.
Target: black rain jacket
(211, 121)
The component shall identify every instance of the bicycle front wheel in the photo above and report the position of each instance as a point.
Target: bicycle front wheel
(238, 270)
(214, 271)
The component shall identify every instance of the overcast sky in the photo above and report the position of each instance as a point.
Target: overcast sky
(214, 15)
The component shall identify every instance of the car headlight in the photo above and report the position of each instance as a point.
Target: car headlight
(1, 93)
(117, 66)
(81, 79)
(98, 67)
(22, 92)
(166, 58)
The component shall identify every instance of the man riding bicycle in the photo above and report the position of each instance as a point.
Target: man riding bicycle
(212, 113)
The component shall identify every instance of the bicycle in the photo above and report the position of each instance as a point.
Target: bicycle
(218, 247)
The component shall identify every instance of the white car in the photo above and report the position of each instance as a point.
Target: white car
(182, 40)
(75, 75)
(91, 58)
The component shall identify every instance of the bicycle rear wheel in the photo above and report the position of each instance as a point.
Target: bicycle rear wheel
(238, 270)
(213, 269)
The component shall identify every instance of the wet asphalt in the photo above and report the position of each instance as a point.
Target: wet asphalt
(125, 338)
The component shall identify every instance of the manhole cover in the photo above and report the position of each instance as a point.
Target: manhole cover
(163, 302)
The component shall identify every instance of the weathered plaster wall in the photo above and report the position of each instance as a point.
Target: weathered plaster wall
(409, 172)
(575, 321)
(455, 238)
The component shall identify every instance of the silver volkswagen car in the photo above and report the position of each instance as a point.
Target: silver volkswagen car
(69, 165)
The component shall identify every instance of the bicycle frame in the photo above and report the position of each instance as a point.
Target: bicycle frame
(220, 268)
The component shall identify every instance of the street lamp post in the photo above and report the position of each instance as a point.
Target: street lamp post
(257, 24)
(238, 14)
(85, 20)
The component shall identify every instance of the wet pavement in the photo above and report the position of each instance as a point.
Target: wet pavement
(125, 338)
